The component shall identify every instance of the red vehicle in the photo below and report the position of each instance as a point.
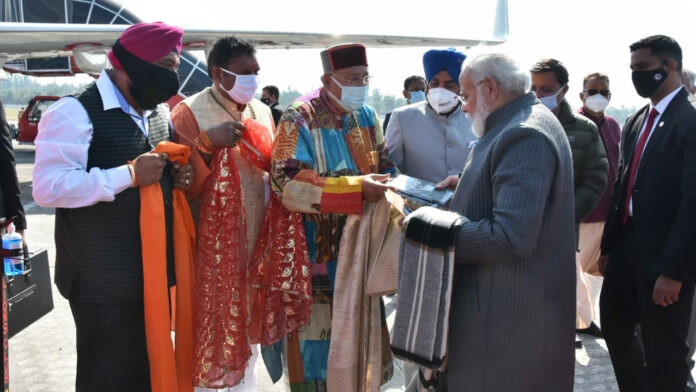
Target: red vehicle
(29, 122)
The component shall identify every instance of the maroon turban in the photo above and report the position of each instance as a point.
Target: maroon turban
(343, 56)
(149, 41)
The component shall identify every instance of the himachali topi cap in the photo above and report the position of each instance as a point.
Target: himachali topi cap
(343, 56)
(149, 41)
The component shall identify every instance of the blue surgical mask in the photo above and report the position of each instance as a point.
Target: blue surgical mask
(352, 97)
(417, 96)
(550, 101)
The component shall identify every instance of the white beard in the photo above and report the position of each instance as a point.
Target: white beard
(479, 117)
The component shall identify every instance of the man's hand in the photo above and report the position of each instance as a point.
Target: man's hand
(666, 291)
(148, 167)
(373, 187)
(183, 175)
(602, 264)
(449, 182)
(226, 134)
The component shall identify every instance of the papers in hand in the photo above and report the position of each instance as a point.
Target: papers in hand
(421, 191)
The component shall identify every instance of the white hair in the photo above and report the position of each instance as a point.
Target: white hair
(480, 115)
(501, 68)
(688, 78)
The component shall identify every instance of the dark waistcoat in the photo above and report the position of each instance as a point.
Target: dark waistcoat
(98, 247)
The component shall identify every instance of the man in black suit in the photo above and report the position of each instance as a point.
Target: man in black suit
(10, 195)
(270, 96)
(649, 243)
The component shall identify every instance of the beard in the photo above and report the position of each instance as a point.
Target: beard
(479, 116)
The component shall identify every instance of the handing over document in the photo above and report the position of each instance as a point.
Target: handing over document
(420, 191)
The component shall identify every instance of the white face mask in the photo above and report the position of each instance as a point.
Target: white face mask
(597, 103)
(550, 101)
(442, 100)
(244, 87)
(417, 96)
(352, 97)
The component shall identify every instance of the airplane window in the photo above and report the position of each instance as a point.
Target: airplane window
(193, 72)
(38, 11)
(197, 81)
(100, 15)
(79, 12)
(107, 5)
(10, 11)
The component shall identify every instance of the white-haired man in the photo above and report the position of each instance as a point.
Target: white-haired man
(688, 78)
(514, 281)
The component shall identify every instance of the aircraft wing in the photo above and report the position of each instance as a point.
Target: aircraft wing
(41, 40)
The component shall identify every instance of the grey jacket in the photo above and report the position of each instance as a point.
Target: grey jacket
(513, 306)
(428, 145)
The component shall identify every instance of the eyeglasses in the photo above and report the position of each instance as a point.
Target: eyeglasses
(547, 90)
(594, 91)
(356, 80)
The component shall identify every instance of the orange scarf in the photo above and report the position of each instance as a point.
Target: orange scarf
(170, 370)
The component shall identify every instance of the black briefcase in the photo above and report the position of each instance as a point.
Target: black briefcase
(29, 295)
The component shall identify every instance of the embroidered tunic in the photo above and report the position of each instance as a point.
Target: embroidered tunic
(318, 159)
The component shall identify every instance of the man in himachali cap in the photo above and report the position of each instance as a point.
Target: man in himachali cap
(346, 76)
(343, 56)
(327, 153)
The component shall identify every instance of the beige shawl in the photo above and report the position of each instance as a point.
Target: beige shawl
(359, 356)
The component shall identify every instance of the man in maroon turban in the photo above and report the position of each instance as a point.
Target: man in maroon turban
(93, 151)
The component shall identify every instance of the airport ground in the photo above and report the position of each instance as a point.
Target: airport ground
(42, 357)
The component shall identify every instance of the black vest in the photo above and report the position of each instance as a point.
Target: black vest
(98, 252)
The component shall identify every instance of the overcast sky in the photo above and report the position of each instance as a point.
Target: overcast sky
(587, 35)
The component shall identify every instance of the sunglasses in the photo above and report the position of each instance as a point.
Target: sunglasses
(594, 91)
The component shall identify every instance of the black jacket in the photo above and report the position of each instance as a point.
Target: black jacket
(664, 193)
(276, 111)
(10, 195)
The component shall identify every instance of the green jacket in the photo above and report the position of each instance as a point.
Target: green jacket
(590, 163)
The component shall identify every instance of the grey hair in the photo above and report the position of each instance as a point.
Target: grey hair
(501, 68)
(688, 78)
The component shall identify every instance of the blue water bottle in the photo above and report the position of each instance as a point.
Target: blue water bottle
(11, 241)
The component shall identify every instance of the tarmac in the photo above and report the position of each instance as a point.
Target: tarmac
(42, 357)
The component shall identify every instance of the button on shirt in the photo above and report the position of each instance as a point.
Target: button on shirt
(61, 178)
(660, 107)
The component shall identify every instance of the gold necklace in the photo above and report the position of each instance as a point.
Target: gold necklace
(251, 108)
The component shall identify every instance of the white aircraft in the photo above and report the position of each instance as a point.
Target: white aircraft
(64, 37)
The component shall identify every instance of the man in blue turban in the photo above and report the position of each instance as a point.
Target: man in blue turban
(430, 139)
(450, 60)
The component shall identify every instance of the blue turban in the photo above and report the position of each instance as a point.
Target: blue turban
(449, 60)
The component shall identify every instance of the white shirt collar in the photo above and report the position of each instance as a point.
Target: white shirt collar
(112, 98)
(664, 102)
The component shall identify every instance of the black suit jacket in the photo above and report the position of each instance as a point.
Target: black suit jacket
(10, 195)
(276, 111)
(664, 193)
